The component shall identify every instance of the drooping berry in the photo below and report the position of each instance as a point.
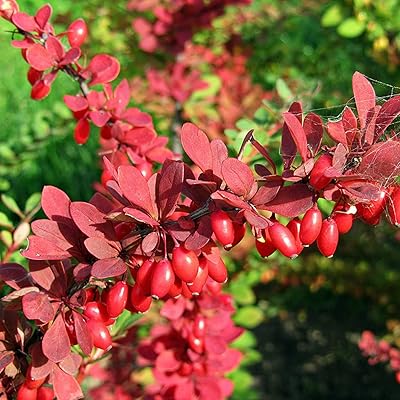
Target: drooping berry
(264, 245)
(144, 274)
(31, 383)
(239, 232)
(40, 90)
(100, 334)
(317, 178)
(45, 393)
(393, 206)
(77, 33)
(185, 263)
(96, 311)
(199, 326)
(162, 279)
(202, 274)
(283, 240)
(82, 131)
(294, 227)
(328, 238)
(138, 299)
(371, 212)
(343, 221)
(310, 226)
(117, 297)
(217, 271)
(223, 228)
(24, 393)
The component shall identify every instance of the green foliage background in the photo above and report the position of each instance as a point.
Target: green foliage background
(305, 315)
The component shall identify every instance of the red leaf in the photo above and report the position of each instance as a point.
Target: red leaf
(314, 131)
(140, 216)
(71, 364)
(389, 111)
(381, 162)
(267, 192)
(91, 221)
(170, 186)
(167, 362)
(255, 220)
(71, 57)
(219, 153)
(335, 130)
(197, 146)
(173, 309)
(83, 335)
(75, 103)
(150, 242)
(37, 306)
(231, 199)
(65, 386)
(42, 249)
(369, 136)
(297, 132)
(108, 268)
(47, 276)
(60, 234)
(14, 275)
(56, 344)
(238, 176)
(364, 95)
(136, 117)
(39, 58)
(201, 236)
(43, 15)
(134, 187)
(104, 68)
(291, 201)
(41, 365)
(101, 248)
(24, 21)
(55, 204)
(6, 358)
(100, 117)
(288, 146)
(349, 121)
(55, 48)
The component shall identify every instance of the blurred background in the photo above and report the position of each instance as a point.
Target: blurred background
(305, 316)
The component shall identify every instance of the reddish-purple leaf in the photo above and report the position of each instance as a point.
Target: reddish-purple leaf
(104, 69)
(219, 153)
(167, 362)
(134, 187)
(231, 199)
(14, 275)
(50, 277)
(6, 358)
(313, 128)
(255, 220)
(136, 117)
(41, 365)
(364, 95)
(389, 111)
(288, 146)
(56, 344)
(201, 236)
(75, 103)
(349, 121)
(238, 176)
(339, 157)
(55, 48)
(291, 201)
(60, 234)
(42, 249)
(140, 216)
(90, 220)
(71, 364)
(381, 162)
(82, 271)
(39, 58)
(297, 132)
(55, 204)
(71, 56)
(43, 15)
(267, 192)
(197, 146)
(65, 386)
(99, 117)
(150, 242)
(37, 306)
(102, 203)
(170, 186)
(108, 268)
(372, 115)
(83, 336)
(101, 248)
(173, 309)
(335, 130)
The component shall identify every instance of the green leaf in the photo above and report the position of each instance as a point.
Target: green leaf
(351, 28)
(242, 293)
(245, 341)
(6, 238)
(242, 379)
(125, 321)
(32, 202)
(11, 204)
(283, 90)
(214, 85)
(249, 316)
(332, 16)
(4, 221)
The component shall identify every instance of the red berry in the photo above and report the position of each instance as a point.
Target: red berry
(283, 240)
(176, 288)
(185, 263)
(144, 274)
(328, 238)
(77, 33)
(223, 228)
(33, 383)
(100, 334)
(202, 274)
(294, 227)
(34, 75)
(199, 326)
(162, 279)
(45, 393)
(393, 206)
(213, 287)
(40, 90)
(239, 232)
(310, 226)
(371, 212)
(24, 393)
(105, 132)
(82, 131)
(8, 8)
(195, 343)
(186, 291)
(146, 169)
(123, 229)
(217, 271)
(96, 311)
(264, 245)
(343, 221)
(105, 177)
(138, 299)
(317, 178)
(117, 297)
